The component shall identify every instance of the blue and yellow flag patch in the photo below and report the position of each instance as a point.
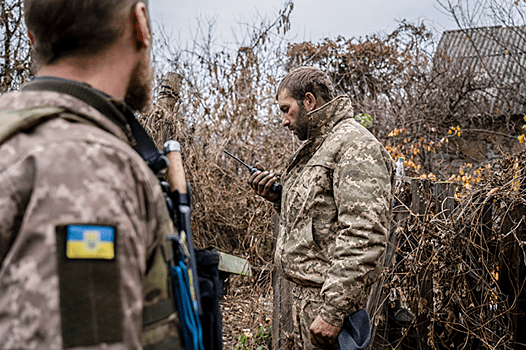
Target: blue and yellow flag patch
(90, 242)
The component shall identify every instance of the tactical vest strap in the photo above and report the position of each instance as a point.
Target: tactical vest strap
(166, 344)
(160, 320)
(158, 311)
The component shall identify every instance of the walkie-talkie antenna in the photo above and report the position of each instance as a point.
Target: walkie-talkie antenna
(250, 168)
(276, 187)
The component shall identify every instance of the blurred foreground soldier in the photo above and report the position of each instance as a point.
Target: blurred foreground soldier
(82, 216)
(335, 207)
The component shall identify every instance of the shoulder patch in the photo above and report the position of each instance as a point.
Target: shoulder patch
(90, 285)
(90, 242)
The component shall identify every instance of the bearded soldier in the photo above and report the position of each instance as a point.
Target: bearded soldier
(335, 207)
(82, 216)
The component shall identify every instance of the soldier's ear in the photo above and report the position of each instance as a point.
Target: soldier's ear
(141, 26)
(31, 38)
(310, 102)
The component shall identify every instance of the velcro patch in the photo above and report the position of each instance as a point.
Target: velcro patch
(89, 275)
(90, 242)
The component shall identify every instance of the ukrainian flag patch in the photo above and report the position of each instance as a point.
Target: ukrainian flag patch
(90, 242)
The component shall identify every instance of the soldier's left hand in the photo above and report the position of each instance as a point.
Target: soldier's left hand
(261, 182)
(323, 334)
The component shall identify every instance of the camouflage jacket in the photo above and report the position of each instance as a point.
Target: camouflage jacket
(65, 172)
(335, 210)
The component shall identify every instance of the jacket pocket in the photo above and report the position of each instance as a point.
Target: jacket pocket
(303, 259)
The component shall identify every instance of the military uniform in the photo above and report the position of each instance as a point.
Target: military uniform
(82, 221)
(335, 211)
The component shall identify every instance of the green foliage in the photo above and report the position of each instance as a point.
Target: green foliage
(241, 344)
(260, 341)
(365, 119)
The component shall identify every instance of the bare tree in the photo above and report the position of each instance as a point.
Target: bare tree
(15, 58)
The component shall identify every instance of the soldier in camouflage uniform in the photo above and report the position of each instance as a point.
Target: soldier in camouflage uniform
(335, 207)
(82, 217)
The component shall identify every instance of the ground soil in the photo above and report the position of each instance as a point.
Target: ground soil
(246, 311)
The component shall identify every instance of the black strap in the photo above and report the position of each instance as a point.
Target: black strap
(145, 146)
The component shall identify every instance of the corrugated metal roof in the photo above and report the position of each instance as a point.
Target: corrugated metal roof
(497, 51)
(496, 55)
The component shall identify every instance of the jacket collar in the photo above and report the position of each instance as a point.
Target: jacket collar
(112, 109)
(323, 119)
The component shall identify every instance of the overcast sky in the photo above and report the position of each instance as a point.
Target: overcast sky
(311, 19)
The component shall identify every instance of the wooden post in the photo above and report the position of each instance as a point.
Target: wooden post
(421, 203)
(161, 122)
(282, 322)
(377, 302)
(444, 193)
(511, 274)
(169, 92)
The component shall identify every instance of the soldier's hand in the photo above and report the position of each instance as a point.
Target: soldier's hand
(261, 182)
(323, 334)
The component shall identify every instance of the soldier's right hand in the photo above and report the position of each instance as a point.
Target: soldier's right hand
(261, 182)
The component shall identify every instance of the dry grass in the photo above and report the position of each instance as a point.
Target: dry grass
(246, 311)
(463, 275)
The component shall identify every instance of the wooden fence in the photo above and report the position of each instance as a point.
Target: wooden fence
(454, 275)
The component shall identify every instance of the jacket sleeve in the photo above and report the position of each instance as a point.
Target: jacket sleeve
(363, 197)
(15, 189)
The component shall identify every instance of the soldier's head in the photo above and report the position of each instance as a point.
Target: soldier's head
(79, 30)
(300, 92)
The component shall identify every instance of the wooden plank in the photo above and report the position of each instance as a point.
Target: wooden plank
(511, 274)
(276, 288)
(286, 323)
(422, 197)
(276, 285)
(482, 247)
(376, 304)
(282, 321)
(444, 193)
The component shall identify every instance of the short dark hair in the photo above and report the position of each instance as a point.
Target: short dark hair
(307, 79)
(63, 28)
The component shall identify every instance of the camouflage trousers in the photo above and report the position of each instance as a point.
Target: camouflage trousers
(306, 303)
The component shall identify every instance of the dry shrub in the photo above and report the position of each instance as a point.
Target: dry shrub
(462, 275)
(247, 315)
(226, 102)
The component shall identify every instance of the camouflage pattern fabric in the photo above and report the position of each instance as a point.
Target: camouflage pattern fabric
(59, 173)
(306, 305)
(335, 211)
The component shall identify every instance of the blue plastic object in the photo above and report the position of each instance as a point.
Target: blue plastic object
(190, 323)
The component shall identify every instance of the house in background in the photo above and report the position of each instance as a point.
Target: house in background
(488, 66)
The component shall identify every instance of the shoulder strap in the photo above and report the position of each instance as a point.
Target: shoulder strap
(14, 121)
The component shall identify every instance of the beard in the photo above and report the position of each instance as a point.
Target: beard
(302, 123)
(139, 92)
